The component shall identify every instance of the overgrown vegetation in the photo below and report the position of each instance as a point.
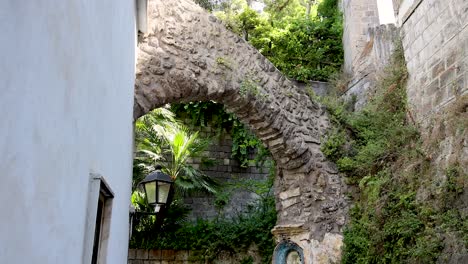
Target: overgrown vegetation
(400, 215)
(301, 38)
(211, 114)
(162, 139)
(208, 238)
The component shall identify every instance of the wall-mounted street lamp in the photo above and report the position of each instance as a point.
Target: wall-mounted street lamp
(157, 186)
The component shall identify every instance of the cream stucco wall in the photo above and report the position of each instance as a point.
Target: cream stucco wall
(66, 102)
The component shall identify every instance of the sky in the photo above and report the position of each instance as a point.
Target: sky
(386, 13)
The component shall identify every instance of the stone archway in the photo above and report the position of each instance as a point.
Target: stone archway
(188, 55)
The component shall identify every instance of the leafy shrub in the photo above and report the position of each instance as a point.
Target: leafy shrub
(212, 114)
(378, 149)
(304, 46)
(208, 238)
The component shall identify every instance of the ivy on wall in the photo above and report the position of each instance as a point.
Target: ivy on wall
(211, 114)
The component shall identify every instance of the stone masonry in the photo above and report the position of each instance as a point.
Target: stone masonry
(368, 46)
(158, 256)
(435, 42)
(359, 16)
(188, 55)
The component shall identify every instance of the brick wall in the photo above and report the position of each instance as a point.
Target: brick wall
(435, 41)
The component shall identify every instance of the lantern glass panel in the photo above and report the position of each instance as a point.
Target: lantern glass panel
(151, 192)
(163, 193)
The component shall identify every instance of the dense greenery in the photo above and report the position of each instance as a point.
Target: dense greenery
(381, 153)
(162, 139)
(301, 38)
(208, 238)
(211, 114)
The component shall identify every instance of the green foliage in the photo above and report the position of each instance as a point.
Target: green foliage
(208, 238)
(224, 62)
(303, 45)
(160, 139)
(145, 227)
(248, 20)
(244, 142)
(206, 4)
(249, 87)
(365, 141)
(379, 150)
(333, 148)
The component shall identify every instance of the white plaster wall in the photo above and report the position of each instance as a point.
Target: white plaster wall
(66, 104)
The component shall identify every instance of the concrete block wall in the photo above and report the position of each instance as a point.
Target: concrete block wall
(435, 42)
(226, 170)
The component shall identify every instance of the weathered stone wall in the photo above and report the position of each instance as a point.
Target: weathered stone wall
(434, 35)
(369, 66)
(368, 47)
(435, 41)
(158, 256)
(359, 16)
(319, 88)
(188, 55)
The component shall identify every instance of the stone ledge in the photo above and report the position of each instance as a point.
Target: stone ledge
(287, 231)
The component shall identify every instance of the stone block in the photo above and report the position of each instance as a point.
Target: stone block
(222, 168)
(450, 30)
(142, 254)
(447, 77)
(181, 255)
(167, 254)
(452, 57)
(438, 68)
(456, 88)
(290, 193)
(288, 203)
(432, 88)
(154, 254)
(131, 253)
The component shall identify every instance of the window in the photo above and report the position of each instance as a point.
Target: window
(101, 230)
(97, 220)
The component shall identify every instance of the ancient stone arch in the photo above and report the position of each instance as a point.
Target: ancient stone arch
(188, 55)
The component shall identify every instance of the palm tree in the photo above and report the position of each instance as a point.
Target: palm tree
(183, 145)
(149, 143)
(164, 141)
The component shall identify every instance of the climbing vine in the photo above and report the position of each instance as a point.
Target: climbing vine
(211, 114)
